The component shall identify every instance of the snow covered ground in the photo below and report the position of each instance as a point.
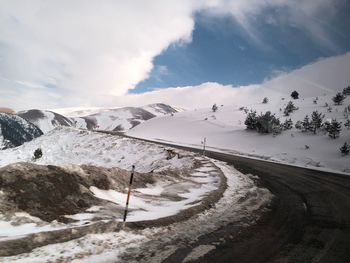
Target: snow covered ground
(225, 130)
(66, 145)
(182, 181)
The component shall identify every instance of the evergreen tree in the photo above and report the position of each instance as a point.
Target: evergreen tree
(338, 98)
(265, 100)
(316, 121)
(333, 128)
(346, 91)
(345, 149)
(295, 95)
(277, 129)
(347, 124)
(251, 120)
(305, 124)
(288, 124)
(266, 122)
(38, 153)
(289, 108)
(298, 125)
(214, 108)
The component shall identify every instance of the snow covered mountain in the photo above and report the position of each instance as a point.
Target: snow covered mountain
(122, 119)
(46, 120)
(118, 119)
(15, 131)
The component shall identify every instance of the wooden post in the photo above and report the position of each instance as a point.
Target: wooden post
(128, 196)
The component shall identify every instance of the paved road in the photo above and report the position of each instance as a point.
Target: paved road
(309, 219)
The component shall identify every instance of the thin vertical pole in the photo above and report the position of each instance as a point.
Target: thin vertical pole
(204, 145)
(129, 192)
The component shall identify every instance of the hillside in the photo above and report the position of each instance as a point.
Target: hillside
(118, 119)
(225, 130)
(15, 131)
(45, 120)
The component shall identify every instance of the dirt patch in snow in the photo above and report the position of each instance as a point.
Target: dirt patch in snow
(51, 192)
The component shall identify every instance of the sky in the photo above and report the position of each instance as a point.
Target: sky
(65, 53)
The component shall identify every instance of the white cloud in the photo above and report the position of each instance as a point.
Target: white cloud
(325, 76)
(88, 46)
(95, 50)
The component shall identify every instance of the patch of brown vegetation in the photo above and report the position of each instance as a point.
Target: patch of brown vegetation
(6, 110)
(51, 192)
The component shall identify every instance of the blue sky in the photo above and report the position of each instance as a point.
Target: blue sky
(222, 51)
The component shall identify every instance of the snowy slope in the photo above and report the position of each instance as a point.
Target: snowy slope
(121, 119)
(45, 120)
(15, 130)
(67, 145)
(159, 109)
(225, 130)
(325, 76)
(176, 183)
(77, 111)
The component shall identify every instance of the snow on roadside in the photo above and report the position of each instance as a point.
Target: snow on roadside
(144, 205)
(168, 196)
(240, 205)
(21, 224)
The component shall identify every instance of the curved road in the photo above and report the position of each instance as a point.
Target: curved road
(309, 219)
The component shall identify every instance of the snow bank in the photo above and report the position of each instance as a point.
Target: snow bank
(66, 145)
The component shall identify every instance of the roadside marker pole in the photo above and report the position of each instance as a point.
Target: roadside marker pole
(205, 139)
(128, 197)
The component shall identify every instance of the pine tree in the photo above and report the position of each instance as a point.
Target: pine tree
(289, 108)
(333, 128)
(277, 129)
(288, 124)
(298, 125)
(266, 122)
(38, 153)
(338, 98)
(305, 124)
(214, 108)
(347, 124)
(346, 91)
(295, 95)
(316, 121)
(251, 120)
(345, 149)
(265, 100)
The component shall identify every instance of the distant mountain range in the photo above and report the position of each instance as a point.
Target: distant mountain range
(15, 131)
(118, 119)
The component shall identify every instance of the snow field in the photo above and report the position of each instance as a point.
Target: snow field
(225, 131)
(65, 145)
